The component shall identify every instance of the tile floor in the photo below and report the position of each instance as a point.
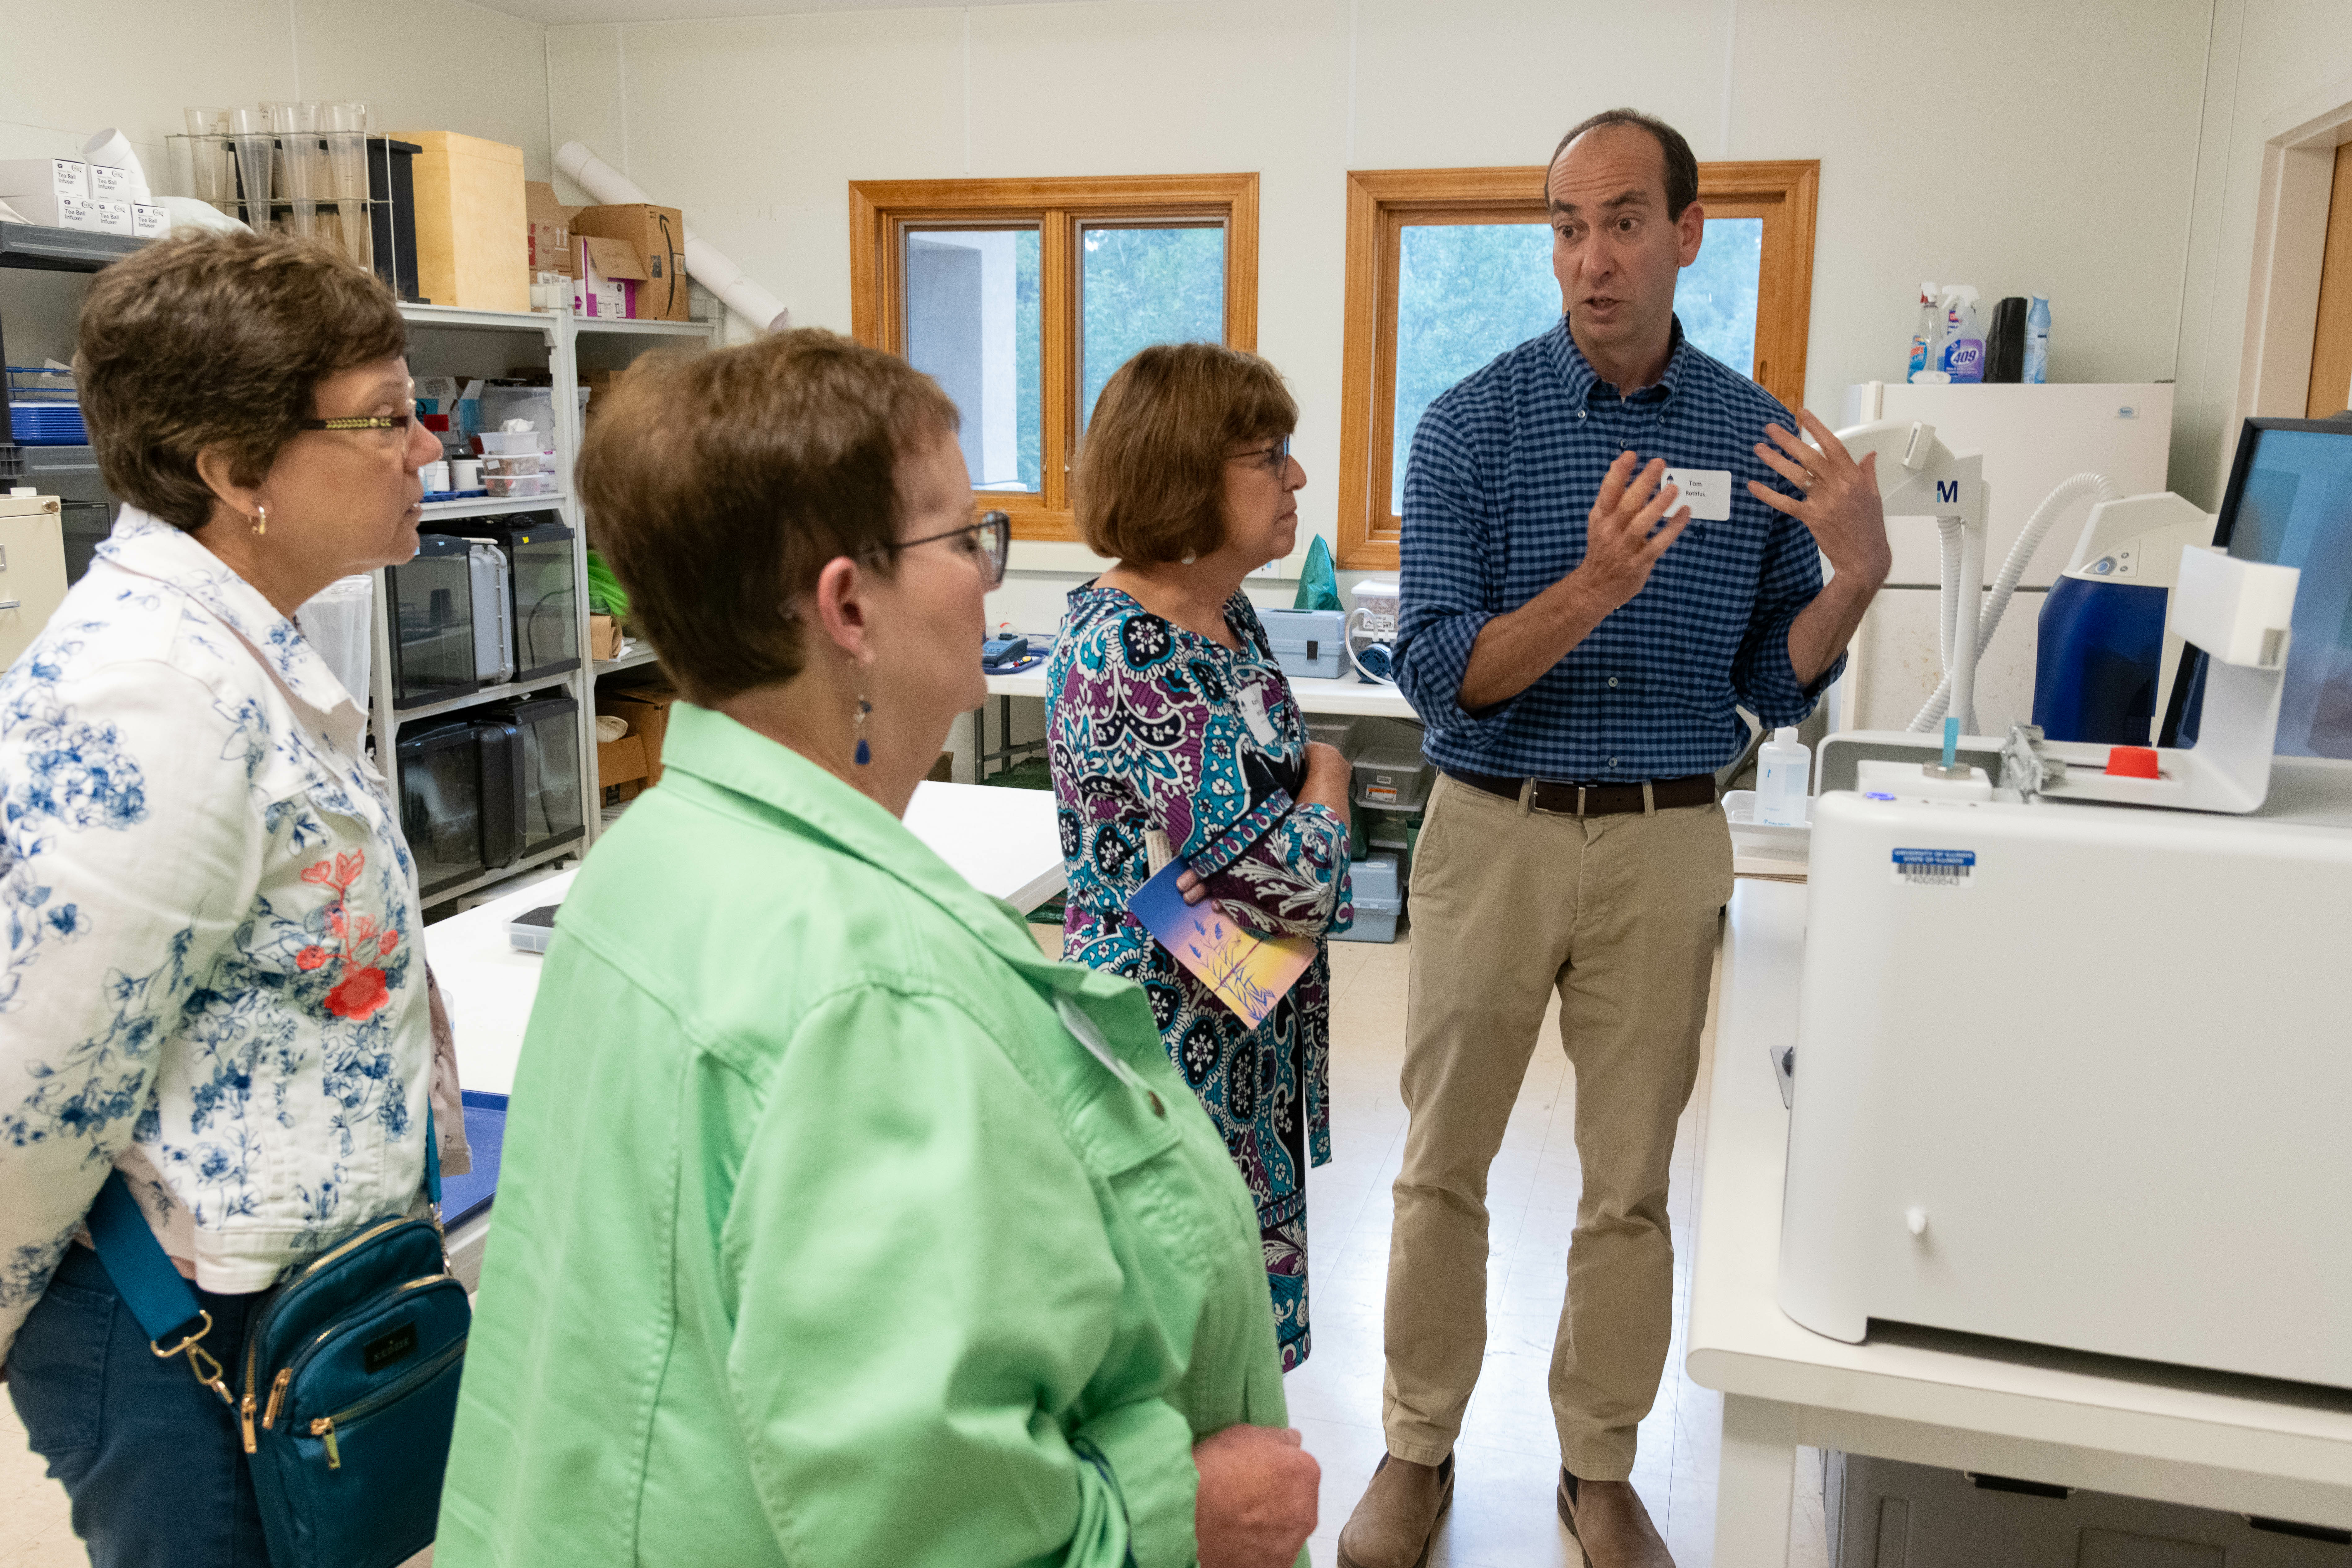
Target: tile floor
(1502, 1511)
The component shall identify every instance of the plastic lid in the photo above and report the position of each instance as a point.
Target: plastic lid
(1786, 735)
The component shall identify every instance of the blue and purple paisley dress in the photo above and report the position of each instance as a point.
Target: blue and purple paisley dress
(1152, 726)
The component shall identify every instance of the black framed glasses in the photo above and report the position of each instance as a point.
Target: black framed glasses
(1275, 457)
(991, 542)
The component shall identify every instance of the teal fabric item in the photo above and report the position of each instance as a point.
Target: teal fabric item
(1318, 585)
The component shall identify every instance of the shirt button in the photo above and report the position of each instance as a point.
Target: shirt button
(1580, 414)
(1613, 762)
(1612, 680)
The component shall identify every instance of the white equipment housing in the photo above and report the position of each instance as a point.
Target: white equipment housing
(2136, 1145)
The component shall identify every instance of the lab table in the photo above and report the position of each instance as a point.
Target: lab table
(1345, 696)
(1004, 841)
(2212, 1441)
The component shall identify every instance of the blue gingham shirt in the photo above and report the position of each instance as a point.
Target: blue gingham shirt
(1505, 468)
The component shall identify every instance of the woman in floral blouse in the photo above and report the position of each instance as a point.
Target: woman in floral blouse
(214, 977)
(1173, 732)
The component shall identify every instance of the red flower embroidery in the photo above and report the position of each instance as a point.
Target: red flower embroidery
(362, 990)
(361, 993)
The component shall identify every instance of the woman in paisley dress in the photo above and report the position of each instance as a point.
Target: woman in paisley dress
(214, 979)
(1172, 732)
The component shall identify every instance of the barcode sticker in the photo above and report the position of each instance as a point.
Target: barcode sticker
(1934, 867)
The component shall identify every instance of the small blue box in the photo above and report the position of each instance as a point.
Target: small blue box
(1308, 642)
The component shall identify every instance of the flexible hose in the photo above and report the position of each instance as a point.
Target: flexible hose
(1947, 545)
(2020, 555)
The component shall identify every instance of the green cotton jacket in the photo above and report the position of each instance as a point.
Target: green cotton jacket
(820, 1238)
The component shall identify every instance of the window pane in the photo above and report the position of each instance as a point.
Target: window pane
(1465, 293)
(973, 322)
(1146, 286)
(1716, 296)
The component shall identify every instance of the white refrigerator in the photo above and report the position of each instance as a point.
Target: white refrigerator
(2032, 437)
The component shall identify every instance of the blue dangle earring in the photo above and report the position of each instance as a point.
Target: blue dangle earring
(865, 711)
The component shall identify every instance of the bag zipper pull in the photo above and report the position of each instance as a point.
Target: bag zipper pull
(245, 1418)
(324, 1427)
(277, 1395)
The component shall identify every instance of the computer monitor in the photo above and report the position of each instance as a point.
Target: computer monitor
(2290, 504)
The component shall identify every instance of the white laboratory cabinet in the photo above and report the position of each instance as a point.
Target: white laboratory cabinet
(32, 570)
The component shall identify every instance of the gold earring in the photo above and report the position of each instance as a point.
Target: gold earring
(260, 519)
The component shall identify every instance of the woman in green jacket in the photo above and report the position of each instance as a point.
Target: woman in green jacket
(836, 1224)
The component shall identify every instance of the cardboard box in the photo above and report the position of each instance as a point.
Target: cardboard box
(150, 222)
(113, 217)
(550, 230)
(603, 637)
(473, 239)
(605, 277)
(42, 176)
(659, 235)
(621, 762)
(646, 709)
(50, 210)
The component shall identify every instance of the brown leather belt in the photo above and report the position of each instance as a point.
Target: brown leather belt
(1570, 799)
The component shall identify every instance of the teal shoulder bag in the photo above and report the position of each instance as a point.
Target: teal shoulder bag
(348, 1386)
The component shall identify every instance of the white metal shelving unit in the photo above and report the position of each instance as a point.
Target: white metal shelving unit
(439, 333)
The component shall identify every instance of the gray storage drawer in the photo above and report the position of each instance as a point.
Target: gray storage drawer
(1884, 1513)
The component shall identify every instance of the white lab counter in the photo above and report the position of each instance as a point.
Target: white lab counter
(1005, 842)
(2209, 1441)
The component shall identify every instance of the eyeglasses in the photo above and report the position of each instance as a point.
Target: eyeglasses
(1276, 456)
(990, 541)
(360, 422)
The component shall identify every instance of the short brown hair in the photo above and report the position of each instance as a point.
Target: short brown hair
(218, 340)
(720, 484)
(1682, 168)
(1151, 479)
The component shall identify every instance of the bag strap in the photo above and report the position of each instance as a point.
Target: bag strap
(154, 1289)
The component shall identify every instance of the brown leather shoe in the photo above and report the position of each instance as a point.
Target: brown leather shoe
(1608, 1520)
(1397, 1515)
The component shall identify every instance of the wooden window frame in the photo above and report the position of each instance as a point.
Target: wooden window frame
(881, 211)
(1382, 202)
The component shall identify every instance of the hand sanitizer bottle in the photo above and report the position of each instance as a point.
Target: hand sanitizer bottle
(2037, 340)
(1782, 769)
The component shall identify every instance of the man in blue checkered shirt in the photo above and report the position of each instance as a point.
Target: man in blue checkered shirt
(1578, 624)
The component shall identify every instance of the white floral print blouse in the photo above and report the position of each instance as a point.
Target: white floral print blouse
(213, 978)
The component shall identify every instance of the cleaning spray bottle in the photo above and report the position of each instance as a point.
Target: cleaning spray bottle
(1926, 333)
(1963, 355)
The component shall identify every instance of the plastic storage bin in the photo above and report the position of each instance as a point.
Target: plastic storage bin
(1308, 642)
(441, 805)
(1338, 733)
(1392, 778)
(1884, 1513)
(1379, 900)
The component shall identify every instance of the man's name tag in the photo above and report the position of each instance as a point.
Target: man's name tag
(1707, 491)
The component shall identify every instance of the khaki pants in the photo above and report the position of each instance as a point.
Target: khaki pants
(1619, 914)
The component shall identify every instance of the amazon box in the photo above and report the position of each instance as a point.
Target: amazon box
(659, 235)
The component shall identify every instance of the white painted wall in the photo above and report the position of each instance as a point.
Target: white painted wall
(2269, 59)
(2041, 175)
(136, 64)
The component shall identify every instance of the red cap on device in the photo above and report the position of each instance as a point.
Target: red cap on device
(2131, 763)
